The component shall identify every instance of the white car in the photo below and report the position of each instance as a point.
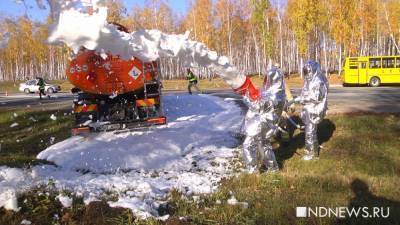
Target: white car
(32, 86)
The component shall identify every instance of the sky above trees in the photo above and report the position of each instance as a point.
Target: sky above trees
(10, 8)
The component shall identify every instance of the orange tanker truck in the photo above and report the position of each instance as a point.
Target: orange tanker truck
(112, 93)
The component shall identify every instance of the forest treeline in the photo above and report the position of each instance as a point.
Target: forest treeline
(252, 33)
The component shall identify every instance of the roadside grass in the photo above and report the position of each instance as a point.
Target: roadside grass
(359, 165)
(25, 133)
(204, 84)
(65, 85)
(12, 87)
(178, 84)
(8, 86)
(294, 81)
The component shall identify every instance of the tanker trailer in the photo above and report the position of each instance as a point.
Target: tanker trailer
(112, 93)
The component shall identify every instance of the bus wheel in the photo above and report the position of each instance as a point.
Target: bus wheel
(374, 82)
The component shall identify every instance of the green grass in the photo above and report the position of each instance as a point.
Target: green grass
(34, 133)
(358, 166)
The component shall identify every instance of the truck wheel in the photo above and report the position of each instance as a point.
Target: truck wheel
(374, 82)
(27, 91)
(50, 90)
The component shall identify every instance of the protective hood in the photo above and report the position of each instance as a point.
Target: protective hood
(314, 93)
(311, 69)
(274, 86)
(271, 78)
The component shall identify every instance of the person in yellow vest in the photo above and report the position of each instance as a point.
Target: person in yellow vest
(192, 81)
(42, 86)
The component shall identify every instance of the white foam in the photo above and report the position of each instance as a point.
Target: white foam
(191, 154)
(66, 201)
(75, 28)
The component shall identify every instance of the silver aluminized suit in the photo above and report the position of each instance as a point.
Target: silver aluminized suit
(313, 97)
(262, 119)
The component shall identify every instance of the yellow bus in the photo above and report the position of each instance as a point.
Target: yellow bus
(372, 70)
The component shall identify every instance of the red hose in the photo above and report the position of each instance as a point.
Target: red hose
(248, 89)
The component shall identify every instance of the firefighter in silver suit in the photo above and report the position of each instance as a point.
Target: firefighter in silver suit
(313, 97)
(261, 121)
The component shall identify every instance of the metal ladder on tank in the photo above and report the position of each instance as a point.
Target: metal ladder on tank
(147, 83)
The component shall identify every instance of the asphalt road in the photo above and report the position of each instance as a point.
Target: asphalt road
(22, 100)
(354, 99)
(341, 100)
(363, 99)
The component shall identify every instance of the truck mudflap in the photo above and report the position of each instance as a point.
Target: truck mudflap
(85, 108)
(80, 130)
(108, 126)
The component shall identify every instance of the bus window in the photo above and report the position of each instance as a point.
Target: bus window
(353, 67)
(388, 63)
(398, 62)
(375, 63)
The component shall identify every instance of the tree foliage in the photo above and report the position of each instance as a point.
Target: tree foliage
(252, 33)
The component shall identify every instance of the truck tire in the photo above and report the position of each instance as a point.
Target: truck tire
(374, 82)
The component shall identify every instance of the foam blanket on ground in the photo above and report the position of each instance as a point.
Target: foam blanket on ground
(191, 154)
